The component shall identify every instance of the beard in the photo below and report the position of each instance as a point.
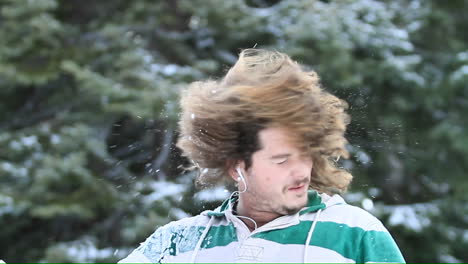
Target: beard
(267, 204)
(291, 210)
(274, 203)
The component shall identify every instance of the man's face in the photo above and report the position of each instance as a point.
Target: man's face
(278, 179)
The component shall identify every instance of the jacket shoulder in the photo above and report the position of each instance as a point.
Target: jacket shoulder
(171, 239)
(352, 216)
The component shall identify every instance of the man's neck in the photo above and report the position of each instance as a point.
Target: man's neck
(260, 217)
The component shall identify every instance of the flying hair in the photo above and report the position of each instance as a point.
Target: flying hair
(220, 119)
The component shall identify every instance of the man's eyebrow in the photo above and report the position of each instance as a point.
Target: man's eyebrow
(280, 156)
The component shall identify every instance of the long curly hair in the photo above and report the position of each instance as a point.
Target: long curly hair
(220, 119)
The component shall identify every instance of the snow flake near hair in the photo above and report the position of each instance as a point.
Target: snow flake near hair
(221, 118)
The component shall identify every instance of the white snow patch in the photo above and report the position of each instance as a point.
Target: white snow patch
(449, 259)
(29, 141)
(6, 205)
(354, 197)
(414, 26)
(402, 63)
(23, 172)
(263, 12)
(7, 166)
(465, 236)
(373, 192)
(213, 194)
(163, 189)
(44, 128)
(147, 58)
(367, 204)
(13, 170)
(15, 145)
(85, 250)
(55, 139)
(178, 213)
(398, 33)
(363, 157)
(459, 74)
(414, 217)
(414, 77)
(462, 56)
(170, 69)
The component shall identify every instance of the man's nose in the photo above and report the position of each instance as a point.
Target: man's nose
(302, 169)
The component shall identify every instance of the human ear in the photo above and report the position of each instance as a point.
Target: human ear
(235, 171)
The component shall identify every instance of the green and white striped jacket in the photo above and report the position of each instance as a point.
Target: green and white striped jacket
(327, 230)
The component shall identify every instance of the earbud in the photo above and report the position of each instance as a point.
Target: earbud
(239, 172)
(241, 178)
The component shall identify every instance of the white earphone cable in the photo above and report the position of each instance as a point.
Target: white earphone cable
(241, 177)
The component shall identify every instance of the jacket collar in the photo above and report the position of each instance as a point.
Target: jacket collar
(314, 203)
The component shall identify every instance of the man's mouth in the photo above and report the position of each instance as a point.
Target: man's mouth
(297, 188)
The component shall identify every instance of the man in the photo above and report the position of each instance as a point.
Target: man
(269, 127)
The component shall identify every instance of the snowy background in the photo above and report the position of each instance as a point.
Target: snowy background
(89, 89)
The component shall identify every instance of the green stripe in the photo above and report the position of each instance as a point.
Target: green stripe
(374, 250)
(222, 208)
(351, 242)
(296, 234)
(338, 237)
(314, 203)
(219, 236)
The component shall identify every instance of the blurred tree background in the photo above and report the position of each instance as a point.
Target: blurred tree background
(88, 166)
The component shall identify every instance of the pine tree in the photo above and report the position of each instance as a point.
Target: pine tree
(88, 166)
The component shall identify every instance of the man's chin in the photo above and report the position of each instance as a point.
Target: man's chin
(291, 210)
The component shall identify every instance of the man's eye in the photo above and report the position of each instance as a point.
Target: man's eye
(280, 161)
